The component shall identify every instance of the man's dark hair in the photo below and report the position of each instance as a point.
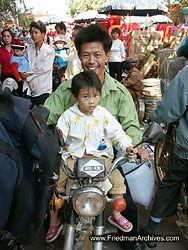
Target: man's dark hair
(117, 30)
(78, 27)
(38, 25)
(93, 33)
(88, 79)
(61, 25)
(126, 65)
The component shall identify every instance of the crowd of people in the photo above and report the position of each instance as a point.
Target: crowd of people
(29, 69)
(32, 64)
(96, 96)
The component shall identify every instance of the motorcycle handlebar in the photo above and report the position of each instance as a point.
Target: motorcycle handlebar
(118, 161)
(66, 168)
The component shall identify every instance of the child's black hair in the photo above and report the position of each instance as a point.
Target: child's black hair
(85, 79)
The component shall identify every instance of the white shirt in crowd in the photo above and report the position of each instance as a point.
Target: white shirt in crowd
(92, 134)
(74, 65)
(68, 40)
(117, 51)
(41, 63)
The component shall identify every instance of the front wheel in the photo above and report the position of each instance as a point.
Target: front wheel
(162, 153)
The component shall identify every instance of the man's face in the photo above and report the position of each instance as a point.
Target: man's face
(59, 31)
(36, 35)
(93, 57)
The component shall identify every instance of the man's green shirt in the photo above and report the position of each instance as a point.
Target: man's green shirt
(114, 97)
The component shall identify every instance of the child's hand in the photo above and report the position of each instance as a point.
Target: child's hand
(24, 75)
(131, 152)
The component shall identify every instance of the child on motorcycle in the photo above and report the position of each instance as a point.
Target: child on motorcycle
(89, 130)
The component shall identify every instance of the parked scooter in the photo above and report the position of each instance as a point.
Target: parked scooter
(87, 197)
(163, 149)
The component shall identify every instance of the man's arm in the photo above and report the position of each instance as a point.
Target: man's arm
(128, 118)
(129, 121)
(59, 101)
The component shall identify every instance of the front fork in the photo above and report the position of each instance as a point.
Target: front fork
(99, 230)
(70, 229)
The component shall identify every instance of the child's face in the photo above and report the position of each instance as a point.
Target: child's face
(59, 44)
(88, 99)
(18, 52)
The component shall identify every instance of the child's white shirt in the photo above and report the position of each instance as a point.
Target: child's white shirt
(92, 134)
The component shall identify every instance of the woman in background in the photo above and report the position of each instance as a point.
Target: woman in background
(117, 55)
(5, 55)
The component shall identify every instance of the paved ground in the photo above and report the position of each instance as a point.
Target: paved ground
(166, 227)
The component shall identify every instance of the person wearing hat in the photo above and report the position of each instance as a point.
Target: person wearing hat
(62, 30)
(61, 56)
(20, 63)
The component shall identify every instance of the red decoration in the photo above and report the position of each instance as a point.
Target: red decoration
(175, 8)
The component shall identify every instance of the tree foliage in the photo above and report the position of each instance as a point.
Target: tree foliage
(9, 8)
(176, 10)
(78, 6)
(15, 9)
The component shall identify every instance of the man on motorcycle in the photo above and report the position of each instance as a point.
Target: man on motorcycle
(93, 46)
(173, 107)
(98, 130)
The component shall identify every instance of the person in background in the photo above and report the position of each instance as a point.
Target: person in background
(74, 65)
(182, 49)
(61, 56)
(41, 58)
(173, 107)
(20, 63)
(93, 45)
(133, 82)
(5, 54)
(61, 30)
(117, 55)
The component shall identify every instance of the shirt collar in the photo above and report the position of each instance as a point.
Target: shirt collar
(108, 85)
(76, 110)
(33, 45)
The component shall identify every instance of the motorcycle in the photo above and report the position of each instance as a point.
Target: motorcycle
(162, 151)
(87, 198)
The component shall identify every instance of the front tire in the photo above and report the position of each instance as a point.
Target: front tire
(163, 149)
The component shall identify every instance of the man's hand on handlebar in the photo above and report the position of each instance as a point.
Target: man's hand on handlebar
(143, 153)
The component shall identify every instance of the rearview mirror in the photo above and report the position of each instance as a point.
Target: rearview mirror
(152, 134)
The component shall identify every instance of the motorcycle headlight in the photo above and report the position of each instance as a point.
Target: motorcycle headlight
(89, 201)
